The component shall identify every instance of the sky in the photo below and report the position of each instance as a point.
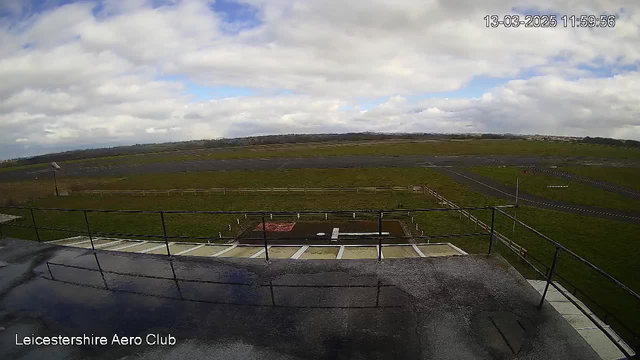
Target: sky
(90, 74)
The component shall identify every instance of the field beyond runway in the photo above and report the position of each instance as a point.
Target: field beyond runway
(329, 162)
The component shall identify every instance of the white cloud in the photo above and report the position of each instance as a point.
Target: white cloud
(73, 76)
(22, 140)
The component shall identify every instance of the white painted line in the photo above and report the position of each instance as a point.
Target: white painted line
(457, 249)
(128, 246)
(299, 252)
(360, 234)
(340, 252)
(78, 243)
(109, 243)
(188, 250)
(415, 247)
(259, 253)
(70, 238)
(224, 251)
(154, 248)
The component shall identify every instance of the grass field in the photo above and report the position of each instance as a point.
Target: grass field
(629, 177)
(445, 147)
(609, 244)
(576, 193)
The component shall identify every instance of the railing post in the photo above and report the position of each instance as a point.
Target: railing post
(35, 227)
(264, 236)
(549, 276)
(164, 233)
(379, 235)
(493, 220)
(86, 220)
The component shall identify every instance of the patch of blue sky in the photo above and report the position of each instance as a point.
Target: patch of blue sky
(202, 92)
(236, 15)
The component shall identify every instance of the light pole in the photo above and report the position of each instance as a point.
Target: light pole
(55, 167)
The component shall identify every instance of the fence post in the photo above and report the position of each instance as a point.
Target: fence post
(86, 220)
(549, 276)
(164, 232)
(493, 220)
(35, 227)
(379, 235)
(264, 236)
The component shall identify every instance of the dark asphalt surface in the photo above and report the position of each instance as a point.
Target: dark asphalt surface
(354, 161)
(494, 188)
(429, 308)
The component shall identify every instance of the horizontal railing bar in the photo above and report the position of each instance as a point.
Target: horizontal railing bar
(578, 257)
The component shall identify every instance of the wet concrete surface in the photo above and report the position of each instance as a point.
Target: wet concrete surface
(327, 162)
(497, 189)
(251, 309)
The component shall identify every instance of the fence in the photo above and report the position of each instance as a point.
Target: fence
(168, 192)
(261, 215)
(548, 274)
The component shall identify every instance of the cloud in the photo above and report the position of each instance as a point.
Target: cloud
(90, 74)
(22, 140)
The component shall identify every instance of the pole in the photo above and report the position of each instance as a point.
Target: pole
(86, 220)
(515, 211)
(264, 236)
(549, 276)
(379, 235)
(55, 181)
(493, 221)
(164, 232)
(35, 227)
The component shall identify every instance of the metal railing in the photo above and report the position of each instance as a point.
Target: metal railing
(549, 273)
(262, 215)
(377, 214)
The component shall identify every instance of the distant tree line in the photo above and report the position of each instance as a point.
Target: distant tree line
(608, 141)
(244, 141)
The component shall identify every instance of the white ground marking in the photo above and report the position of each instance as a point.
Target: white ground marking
(188, 250)
(415, 247)
(362, 234)
(155, 248)
(78, 243)
(340, 252)
(55, 241)
(109, 243)
(130, 245)
(224, 251)
(299, 252)
(334, 234)
(259, 253)
(457, 249)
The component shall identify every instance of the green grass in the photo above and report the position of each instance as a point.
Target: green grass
(629, 177)
(276, 178)
(466, 147)
(608, 244)
(576, 193)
